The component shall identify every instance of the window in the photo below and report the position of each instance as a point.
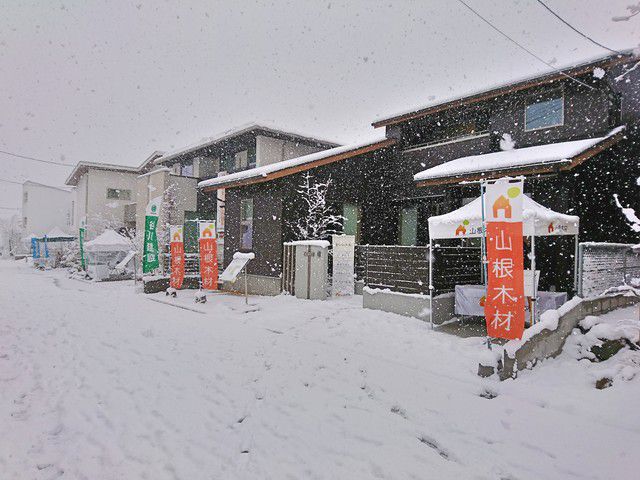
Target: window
(118, 194)
(409, 226)
(25, 196)
(24, 222)
(246, 224)
(187, 170)
(544, 112)
(176, 169)
(351, 225)
(241, 160)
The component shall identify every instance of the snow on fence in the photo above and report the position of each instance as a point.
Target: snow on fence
(406, 268)
(602, 266)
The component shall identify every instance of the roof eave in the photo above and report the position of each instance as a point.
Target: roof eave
(533, 169)
(505, 89)
(303, 167)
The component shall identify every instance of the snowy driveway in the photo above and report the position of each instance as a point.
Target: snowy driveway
(98, 382)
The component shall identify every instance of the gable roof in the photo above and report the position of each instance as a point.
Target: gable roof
(237, 131)
(511, 87)
(536, 159)
(294, 165)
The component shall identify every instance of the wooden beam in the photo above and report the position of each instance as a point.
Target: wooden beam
(303, 167)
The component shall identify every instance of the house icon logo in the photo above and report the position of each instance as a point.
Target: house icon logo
(177, 237)
(154, 208)
(207, 233)
(502, 203)
(462, 228)
(550, 229)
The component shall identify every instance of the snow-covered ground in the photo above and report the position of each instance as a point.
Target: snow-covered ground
(97, 382)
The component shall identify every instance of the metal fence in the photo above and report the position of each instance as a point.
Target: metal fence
(606, 265)
(288, 268)
(191, 265)
(406, 268)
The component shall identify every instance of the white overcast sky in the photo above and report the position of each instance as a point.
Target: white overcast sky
(112, 81)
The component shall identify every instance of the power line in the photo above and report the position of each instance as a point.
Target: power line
(10, 208)
(575, 29)
(522, 46)
(35, 159)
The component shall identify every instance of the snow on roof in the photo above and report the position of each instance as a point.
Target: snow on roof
(62, 188)
(265, 170)
(509, 159)
(594, 62)
(208, 141)
(56, 232)
(109, 241)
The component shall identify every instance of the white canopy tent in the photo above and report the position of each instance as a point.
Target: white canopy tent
(467, 222)
(106, 253)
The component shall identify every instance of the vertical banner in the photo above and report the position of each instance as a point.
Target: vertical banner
(81, 234)
(504, 305)
(343, 264)
(150, 257)
(208, 255)
(176, 249)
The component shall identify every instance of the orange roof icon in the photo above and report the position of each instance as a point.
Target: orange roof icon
(461, 230)
(502, 203)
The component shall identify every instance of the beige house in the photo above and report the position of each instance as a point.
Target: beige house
(105, 195)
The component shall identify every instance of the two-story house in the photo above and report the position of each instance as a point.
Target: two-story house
(243, 148)
(105, 195)
(45, 207)
(572, 133)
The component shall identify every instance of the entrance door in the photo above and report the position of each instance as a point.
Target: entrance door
(408, 226)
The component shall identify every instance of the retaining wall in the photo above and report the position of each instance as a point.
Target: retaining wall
(519, 354)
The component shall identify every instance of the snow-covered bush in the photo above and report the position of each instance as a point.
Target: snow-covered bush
(317, 221)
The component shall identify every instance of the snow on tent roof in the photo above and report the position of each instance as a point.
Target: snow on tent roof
(265, 170)
(56, 232)
(466, 221)
(109, 241)
(510, 159)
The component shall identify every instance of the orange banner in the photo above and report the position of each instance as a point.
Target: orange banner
(176, 248)
(504, 304)
(208, 256)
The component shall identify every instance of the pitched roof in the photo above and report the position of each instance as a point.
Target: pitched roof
(513, 86)
(535, 159)
(294, 165)
(234, 132)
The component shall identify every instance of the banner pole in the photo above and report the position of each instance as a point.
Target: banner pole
(483, 246)
(431, 281)
(533, 273)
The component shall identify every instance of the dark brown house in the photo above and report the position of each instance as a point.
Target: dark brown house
(573, 134)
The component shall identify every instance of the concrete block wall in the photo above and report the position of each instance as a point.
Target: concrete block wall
(409, 305)
(549, 343)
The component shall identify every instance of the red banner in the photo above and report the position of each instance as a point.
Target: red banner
(504, 304)
(176, 248)
(208, 256)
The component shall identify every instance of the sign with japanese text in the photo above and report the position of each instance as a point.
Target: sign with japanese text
(176, 248)
(208, 255)
(504, 304)
(343, 264)
(150, 257)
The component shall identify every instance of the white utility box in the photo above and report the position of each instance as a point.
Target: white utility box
(312, 264)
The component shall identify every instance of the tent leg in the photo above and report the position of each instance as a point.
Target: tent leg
(431, 282)
(575, 265)
(533, 283)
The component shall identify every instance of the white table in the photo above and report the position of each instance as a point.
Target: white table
(467, 300)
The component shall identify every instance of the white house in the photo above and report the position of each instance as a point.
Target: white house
(106, 195)
(45, 207)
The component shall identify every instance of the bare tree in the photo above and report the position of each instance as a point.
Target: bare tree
(318, 221)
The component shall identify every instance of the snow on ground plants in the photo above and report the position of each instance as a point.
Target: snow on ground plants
(98, 382)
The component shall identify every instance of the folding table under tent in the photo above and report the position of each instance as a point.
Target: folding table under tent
(467, 222)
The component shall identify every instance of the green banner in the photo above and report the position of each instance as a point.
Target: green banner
(81, 240)
(150, 257)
